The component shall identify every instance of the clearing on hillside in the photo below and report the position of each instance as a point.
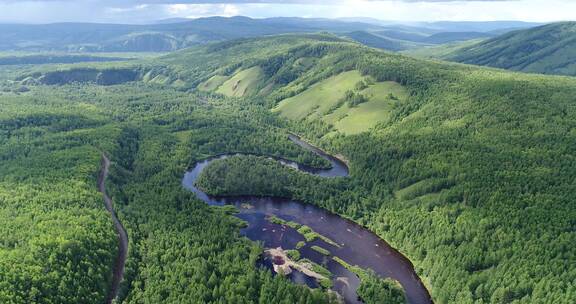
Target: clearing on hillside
(327, 100)
(242, 83)
(213, 83)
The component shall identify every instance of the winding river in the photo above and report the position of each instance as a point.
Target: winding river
(358, 246)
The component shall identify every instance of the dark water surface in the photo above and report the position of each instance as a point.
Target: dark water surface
(358, 246)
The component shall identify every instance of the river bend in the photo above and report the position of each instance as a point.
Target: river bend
(358, 246)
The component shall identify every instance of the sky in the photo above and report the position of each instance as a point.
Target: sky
(147, 11)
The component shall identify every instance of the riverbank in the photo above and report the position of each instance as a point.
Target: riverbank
(358, 245)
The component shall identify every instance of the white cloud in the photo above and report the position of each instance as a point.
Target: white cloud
(176, 9)
(120, 10)
(231, 10)
(202, 10)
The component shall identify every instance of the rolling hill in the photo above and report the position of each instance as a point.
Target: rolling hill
(447, 161)
(159, 37)
(477, 26)
(448, 37)
(547, 49)
(170, 35)
(380, 42)
(468, 171)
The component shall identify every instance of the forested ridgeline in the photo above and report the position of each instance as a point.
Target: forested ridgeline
(547, 49)
(471, 175)
(189, 68)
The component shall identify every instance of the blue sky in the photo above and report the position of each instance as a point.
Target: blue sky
(143, 11)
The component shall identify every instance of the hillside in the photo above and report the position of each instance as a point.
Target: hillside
(170, 35)
(159, 37)
(547, 49)
(448, 172)
(477, 26)
(467, 171)
(448, 37)
(379, 42)
(440, 51)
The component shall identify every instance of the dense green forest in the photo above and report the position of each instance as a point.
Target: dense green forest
(180, 248)
(472, 154)
(547, 49)
(57, 242)
(470, 175)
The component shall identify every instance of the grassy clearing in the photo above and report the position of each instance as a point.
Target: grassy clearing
(227, 209)
(183, 136)
(308, 233)
(407, 191)
(319, 98)
(324, 101)
(381, 98)
(213, 83)
(423, 187)
(242, 83)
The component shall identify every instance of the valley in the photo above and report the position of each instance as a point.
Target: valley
(440, 182)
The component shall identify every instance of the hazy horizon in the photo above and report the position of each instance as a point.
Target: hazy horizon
(360, 19)
(396, 11)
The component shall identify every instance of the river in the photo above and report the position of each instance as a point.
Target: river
(357, 245)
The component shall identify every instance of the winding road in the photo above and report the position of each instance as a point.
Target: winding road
(118, 273)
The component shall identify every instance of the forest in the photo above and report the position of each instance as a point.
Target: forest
(61, 138)
(471, 176)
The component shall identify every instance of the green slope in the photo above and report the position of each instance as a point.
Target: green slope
(183, 33)
(470, 172)
(242, 83)
(319, 98)
(548, 49)
(380, 42)
(213, 83)
(471, 153)
(382, 97)
(440, 51)
(324, 101)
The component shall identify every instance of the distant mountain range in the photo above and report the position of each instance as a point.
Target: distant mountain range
(174, 34)
(477, 26)
(548, 49)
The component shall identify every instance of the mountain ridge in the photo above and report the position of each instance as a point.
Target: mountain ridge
(546, 49)
(176, 34)
(468, 171)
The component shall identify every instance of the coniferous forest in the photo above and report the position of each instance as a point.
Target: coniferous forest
(469, 172)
